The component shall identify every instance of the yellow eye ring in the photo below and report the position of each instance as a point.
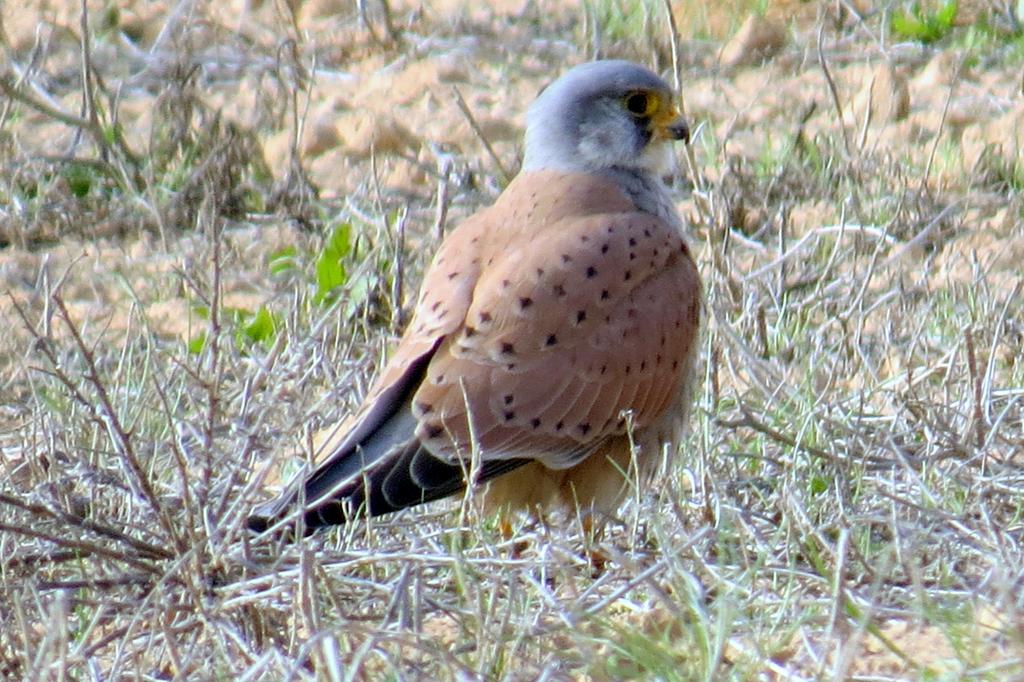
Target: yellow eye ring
(641, 104)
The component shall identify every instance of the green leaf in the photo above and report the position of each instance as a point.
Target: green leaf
(925, 27)
(947, 15)
(79, 178)
(330, 269)
(907, 26)
(330, 274)
(197, 344)
(283, 260)
(818, 485)
(340, 242)
(262, 328)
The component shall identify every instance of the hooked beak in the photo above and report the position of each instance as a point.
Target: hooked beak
(669, 125)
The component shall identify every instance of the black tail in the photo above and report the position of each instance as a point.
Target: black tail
(379, 467)
(351, 485)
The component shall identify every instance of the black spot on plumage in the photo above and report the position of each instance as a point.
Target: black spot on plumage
(584, 238)
(509, 398)
(433, 430)
(632, 241)
(559, 426)
(509, 415)
(508, 348)
(604, 247)
(540, 272)
(584, 428)
(643, 365)
(453, 275)
(591, 272)
(505, 284)
(628, 276)
(485, 317)
(470, 332)
(424, 408)
(632, 256)
(581, 316)
(647, 232)
(552, 340)
(566, 258)
(525, 302)
(535, 423)
(605, 295)
(675, 364)
(559, 291)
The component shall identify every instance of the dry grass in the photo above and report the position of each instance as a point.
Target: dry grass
(849, 502)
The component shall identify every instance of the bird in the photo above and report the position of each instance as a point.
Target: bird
(549, 358)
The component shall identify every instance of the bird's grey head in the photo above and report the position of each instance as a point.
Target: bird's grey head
(603, 115)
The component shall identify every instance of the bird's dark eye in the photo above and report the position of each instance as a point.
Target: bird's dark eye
(640, 103)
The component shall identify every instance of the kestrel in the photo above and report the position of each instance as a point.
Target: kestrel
(552, 346)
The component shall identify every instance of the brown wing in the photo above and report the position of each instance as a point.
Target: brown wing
(565, 336)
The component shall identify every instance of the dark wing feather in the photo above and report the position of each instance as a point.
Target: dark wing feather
(387, 471)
